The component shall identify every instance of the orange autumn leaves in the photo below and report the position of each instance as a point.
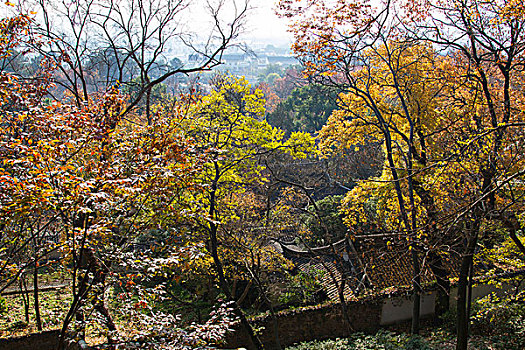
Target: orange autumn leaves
(450, 106)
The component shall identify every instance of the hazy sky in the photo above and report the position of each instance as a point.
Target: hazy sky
(264, 24)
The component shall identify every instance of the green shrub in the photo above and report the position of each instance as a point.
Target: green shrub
(382, 340)
(417, 343)
(329, 212)
(3, 306)
(503, 320)
(303, 288)
(322, 345)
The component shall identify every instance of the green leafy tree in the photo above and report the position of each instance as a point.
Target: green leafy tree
(329, 212)
(228, 125)
(306, 109)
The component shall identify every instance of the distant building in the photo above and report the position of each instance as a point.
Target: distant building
(248, 64)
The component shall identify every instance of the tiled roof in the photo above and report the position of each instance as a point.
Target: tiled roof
(389, 263)
(329, 268)
(375, 262)
(371, 262)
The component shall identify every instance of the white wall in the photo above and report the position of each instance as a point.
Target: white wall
(479, 291)
(399, 309)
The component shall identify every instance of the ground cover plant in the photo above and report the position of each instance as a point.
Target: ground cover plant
(13, 322)
(498, 323)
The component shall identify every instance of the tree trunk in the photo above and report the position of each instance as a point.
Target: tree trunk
(79, 292)
(443, 284)
(469, 292)
(212, 230)
(99, 281)
(101, 307)
(36, 303)
(462, 306)
(226, 290)
(148, 106)
(275, 322)
(462, 317)
(416, 285)
(344, 309)
(25, 297)
(435, 261)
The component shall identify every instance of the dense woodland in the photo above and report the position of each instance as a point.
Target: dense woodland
(155, 198)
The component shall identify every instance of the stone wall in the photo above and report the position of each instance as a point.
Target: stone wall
(305, 324)
(323, 322)
(294, 326)
(38, 341)
(311, 323)
(47, 340)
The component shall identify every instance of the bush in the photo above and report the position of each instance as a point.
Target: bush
(322, 345)
(3, 306)
(501, 319)
(382, 340)
(329, 211)
(303, 288)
